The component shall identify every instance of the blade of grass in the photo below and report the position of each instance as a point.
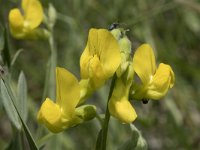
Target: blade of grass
(9, 107)
(16, 56)
(22, 96)
(29, 137)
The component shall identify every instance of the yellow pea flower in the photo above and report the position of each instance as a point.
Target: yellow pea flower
(23, 23)
(155, 82)
(64, 114)
(100, 58)
(119, 104)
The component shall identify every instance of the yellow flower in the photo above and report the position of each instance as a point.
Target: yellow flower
(64, 114)
(100, 58)
(119, 104)
(155, 82)
(23, 23)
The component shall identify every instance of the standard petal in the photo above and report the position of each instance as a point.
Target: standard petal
(68, 91)
(84, 63)
(33, 13)
(100, 58)
(102, 43)
(144, 63)
(109, 52)
(50, 115)
(15, 18)
(162, 80)
(93, 42)
(16, 21)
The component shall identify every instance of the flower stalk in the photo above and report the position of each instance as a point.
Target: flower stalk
(107, 117)
(53, 62)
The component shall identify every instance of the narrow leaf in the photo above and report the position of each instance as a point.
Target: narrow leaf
(99, 140)
(6, 49)
(9, 107)
(2, 40)
(22, 96)
(15, 143)
(29, 137)
(136, 142)
(16, 56)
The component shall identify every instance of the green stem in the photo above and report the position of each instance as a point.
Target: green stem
(44, 139)
(53, 63)
(107, 117)
(50, 81)
(99, 119)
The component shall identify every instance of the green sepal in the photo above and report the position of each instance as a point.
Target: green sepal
(86, 112)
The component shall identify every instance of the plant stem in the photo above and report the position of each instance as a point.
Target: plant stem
(53, 62)
(99, 119)
(107, 117)
(49, 89)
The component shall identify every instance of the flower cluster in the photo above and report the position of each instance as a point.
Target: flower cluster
(107, 54)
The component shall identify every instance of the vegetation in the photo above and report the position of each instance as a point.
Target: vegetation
(171, 27)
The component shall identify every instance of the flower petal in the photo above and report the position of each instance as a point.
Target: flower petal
(119, 105)
(96, 72)
(16, 22)
(123, 110)
(110, 56)
(68, 91)
(84, 63)
(102, 43)
(50, 115)
(144, 63)
(162, 81)
(33, 13)
(100, 58)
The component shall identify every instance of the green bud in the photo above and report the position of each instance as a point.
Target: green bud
(86, 112)
(125, 49)
(52, 16)
(123, 41)
(117, 33)
(125, 46)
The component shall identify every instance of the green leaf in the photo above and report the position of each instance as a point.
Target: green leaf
(6, 49)
(15, 143)
(29, 137)
(22, 96)
(99, 140)
(6, 88)
(2, 40)
(141, 142)
(16, 56)
(136, 142)
(9, 107)
(192, 20)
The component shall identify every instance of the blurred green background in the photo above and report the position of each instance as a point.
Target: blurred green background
(172, 27)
